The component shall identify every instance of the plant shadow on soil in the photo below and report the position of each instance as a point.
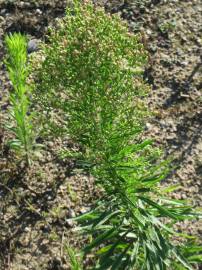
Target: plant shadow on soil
(182, 137)
(180, 90)
(180, 93)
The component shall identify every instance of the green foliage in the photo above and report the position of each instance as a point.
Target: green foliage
(92, 72)
(74, 262)
(128, 224)
(16, 64)
(91, 76)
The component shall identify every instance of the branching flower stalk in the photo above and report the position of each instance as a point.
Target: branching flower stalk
(92, 73)
(16, 64)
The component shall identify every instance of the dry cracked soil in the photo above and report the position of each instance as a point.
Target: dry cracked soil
(36, 203)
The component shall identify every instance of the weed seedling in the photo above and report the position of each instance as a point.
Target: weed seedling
(21, 117)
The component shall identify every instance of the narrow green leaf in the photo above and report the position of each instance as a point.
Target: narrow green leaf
(118, 262)
(101, 238)
(163, 211)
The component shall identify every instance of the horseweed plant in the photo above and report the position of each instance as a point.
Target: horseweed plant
(16, 64)
(92, 76)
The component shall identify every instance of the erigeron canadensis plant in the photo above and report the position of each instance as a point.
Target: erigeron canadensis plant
(21, 118)
(91, 76)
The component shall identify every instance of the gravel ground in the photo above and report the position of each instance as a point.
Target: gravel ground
(35, 204)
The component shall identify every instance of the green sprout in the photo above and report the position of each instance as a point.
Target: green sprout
(21, 125)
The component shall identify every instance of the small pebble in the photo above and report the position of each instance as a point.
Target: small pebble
(32, 46)
(38, 11)
(71, 213)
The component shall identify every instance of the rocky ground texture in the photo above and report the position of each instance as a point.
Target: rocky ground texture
(35, 203)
